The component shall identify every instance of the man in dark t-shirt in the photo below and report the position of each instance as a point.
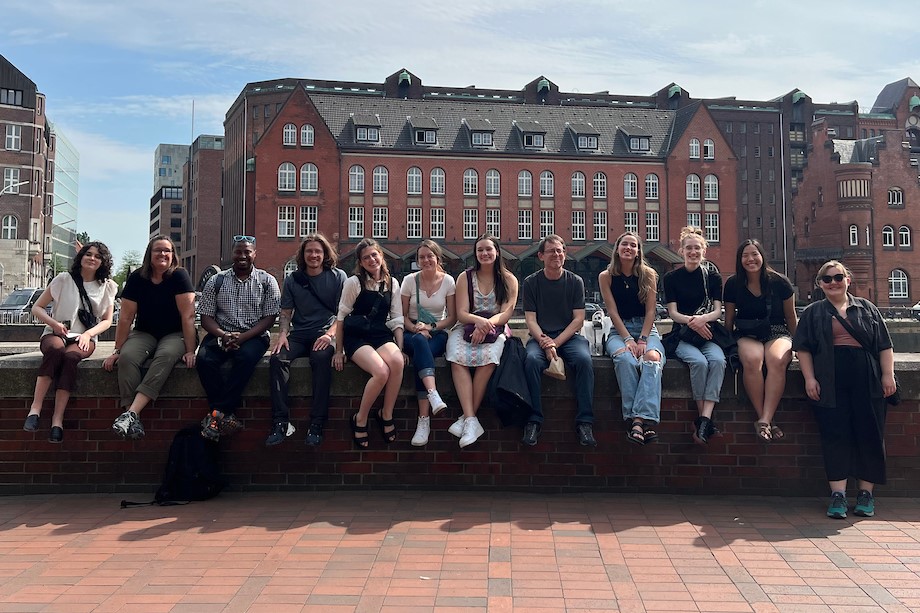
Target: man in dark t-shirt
(554, 309)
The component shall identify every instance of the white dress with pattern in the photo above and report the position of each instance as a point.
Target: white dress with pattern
(468, 354)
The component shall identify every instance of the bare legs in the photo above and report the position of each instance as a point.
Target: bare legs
(471, 389)
(765, 393)
(385, 366)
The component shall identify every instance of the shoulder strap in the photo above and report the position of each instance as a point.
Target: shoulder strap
(856, 335)
(84, 298)
(469, 282)
(418, 283)
(218, 283)
(303, 279)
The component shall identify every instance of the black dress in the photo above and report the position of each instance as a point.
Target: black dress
(379, 334)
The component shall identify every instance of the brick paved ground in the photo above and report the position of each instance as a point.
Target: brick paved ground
(455, 551)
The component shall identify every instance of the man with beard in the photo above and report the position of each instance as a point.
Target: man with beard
(238, 307)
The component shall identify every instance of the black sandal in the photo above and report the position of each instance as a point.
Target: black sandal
(648, 432)
(636, 433)
(388, 435)
(361, 442)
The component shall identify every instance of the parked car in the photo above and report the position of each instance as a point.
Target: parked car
(17, 308)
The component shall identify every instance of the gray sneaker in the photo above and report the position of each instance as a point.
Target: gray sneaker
(122, 424)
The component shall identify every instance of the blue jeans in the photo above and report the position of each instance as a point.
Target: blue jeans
(639, 380)
(707, 369)
(423, 351)
(577, 357)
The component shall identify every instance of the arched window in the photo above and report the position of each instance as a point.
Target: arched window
(381, 180)
(887, 236)
(290, 267)
(547, 184)
(898, 285)
(525, 183)
(493, 183)
(895, 197)
(651, 187)
(578, 185)
(414, 181)
(709, 149)
(9, 228)
(289, 134)
(356, 179)
(854, 235)
(694, 149)
(287, 177)
(600, 185)
(711, 187)
(904, 236)
(470, 182)
(309, 178)
(306, 135)
(630, 186)
(693, 187)
(437, 182)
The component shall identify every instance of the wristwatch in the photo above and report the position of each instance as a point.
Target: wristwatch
(643, 339)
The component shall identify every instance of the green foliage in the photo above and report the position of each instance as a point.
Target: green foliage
(130, 261)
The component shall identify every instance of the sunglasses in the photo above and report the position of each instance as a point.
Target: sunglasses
(828, 278)
(243, 238)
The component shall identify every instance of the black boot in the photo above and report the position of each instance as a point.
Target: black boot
(701, 431)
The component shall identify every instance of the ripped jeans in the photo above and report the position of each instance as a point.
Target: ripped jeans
(639, 379)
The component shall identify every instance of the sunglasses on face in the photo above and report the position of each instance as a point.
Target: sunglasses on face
(828, 278)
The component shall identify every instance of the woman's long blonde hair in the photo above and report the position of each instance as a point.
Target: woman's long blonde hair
(645, 274)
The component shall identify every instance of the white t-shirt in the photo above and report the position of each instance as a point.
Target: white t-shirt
(436, 303)
(67, 300)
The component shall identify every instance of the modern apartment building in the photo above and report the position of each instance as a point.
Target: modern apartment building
(202, 185)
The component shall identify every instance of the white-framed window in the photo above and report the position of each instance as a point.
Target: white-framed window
(712, 227)
(898, 285)
(547, 184)
(356, 222)
(381, 180)
(436, 223)
(651, 187)
(711, 187)
(367, 134)
(695, 220)
(757, 174)
(9, 228)
(693, 187)
(578, 184)
(13, 137)
(414, 222)
(756, 152)
(525, 224)
(11, 181)
(470, 223)
(895, 195)
(587, 142)
(533, 140)
(380, 225)
(578, 225)
(904, 236)
(494, 222)
(414, 181)
(356, 180)
(289, 134)
(639, 143)
(709, 149)
(771, 175)
(286, 221)
(306, 135)
(493, 184)
(309, 178)
(887, 236)
(482, 139)
(290, 267)
(287, 177)
(600, 185)
(437, 182)
(426, 137)
(652, 227)
(309, 217)
(547, 222)
(631, 221)
(630, 186)
(854, 235)
(470, 183)
(525, 183)
(600, 225)
(694, 149)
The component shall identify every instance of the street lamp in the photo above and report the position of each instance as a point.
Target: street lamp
(9, 188)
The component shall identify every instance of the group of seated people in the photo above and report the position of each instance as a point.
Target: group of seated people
(379, 324)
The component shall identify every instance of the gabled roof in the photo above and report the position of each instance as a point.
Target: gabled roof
(365, 120)
(633, 130)
(479, 125)
(530, 126)
(423, 123)
(891, 95)
(583, 129)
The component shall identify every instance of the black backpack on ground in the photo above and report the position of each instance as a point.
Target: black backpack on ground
(192, 471)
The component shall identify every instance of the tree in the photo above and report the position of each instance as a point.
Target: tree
(81, 239)
(130, 261)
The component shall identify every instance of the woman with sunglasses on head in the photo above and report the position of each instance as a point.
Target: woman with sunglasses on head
(847, 361)
(369, 331)
(428, 306)
(760, 305)
(629, 287)
(159, 300)
(84, 302)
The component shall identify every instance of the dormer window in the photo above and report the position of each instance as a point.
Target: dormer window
(367, 128)
(532, 134)
(585, 135)
(587, 142)
(481, 139)
(424, 130)
(533, 140)
(367, 134)
(638, 143)
(480, 132)
(637, 138)
(426, 137)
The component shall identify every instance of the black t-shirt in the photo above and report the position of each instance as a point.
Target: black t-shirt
(625, 290)
(553, 300)
(686, 288)
(157, 313)
(750, 306)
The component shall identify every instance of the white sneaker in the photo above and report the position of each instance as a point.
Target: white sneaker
(421, 432)
(456, 428)
(437, 405)
(471, 431)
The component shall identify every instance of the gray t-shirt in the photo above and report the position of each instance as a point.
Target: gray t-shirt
(553, 301)
(310, 315)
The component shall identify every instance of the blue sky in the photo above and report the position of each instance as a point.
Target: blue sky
(120, 77)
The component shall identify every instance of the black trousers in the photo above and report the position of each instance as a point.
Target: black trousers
(280, 373)
(225, 392)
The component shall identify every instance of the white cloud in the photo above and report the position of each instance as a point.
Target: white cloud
(105, 159)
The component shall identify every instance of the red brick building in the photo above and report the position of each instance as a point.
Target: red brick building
(202, 184)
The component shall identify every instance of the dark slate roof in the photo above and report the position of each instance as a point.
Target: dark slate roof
(395, 133)
(891, 95)
(583, 129)
(634, 131)
(423, 123)
(479, 125)
(682, 119)
(856, 151)
(366, 120)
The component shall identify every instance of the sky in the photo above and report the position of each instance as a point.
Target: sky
(121, 76)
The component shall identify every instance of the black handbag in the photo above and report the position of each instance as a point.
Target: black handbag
(895, 399)
(85, 312)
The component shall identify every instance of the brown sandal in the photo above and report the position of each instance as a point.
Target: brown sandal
(762, 431)
(777, 434)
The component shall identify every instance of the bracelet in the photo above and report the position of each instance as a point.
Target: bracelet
(628, 338)
(116, 351)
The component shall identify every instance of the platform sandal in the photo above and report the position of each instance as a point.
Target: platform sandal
(636, 433)
(361, 442)
(648, 432)
(388, 435)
